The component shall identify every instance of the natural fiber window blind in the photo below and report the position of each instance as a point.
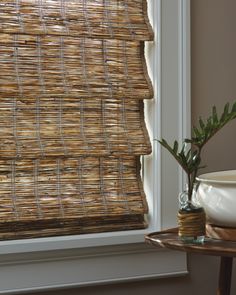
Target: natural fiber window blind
(72, 82)
(101, 19)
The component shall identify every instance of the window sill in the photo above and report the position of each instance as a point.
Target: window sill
(64, 262)
(72, 242)
(45, 270)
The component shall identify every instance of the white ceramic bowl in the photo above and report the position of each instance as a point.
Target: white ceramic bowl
(217, 195)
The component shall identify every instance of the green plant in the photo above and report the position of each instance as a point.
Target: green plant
(189, 155)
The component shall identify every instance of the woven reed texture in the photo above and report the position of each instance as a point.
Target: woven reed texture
(116, 19)
(55, 66)
(36, 193)
(192, 224)
(72, 82)
(36, 128)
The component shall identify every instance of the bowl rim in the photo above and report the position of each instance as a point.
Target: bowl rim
(209, 177)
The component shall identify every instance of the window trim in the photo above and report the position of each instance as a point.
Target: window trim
(172, 58)
(65, 256)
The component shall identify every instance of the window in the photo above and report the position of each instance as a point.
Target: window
(61, 261)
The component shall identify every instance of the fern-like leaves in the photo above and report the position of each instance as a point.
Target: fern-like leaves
(189, 160)
(206, 130)
(189, 155)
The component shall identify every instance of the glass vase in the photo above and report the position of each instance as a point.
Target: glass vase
(191, 220)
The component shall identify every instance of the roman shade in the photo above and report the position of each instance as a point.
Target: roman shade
(101, 19)
(72, 82)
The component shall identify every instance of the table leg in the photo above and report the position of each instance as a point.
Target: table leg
(224, 283)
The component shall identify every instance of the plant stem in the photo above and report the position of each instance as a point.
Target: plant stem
(192, 176)
(189, 187)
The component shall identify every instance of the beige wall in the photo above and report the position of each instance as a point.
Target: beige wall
(213, 82)
(214, 73)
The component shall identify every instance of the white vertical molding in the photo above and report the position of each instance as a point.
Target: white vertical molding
(168, 115)
(184, 77)
(152, 164)
(158, 118)
(176, 101)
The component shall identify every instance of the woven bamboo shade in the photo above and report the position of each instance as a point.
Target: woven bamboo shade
(69, 195)
(55, 66)
(39, 127)
(72, 82)
(115, 19)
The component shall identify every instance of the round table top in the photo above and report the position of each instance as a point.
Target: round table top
(169, 239)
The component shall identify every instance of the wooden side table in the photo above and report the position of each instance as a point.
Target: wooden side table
(225, 249)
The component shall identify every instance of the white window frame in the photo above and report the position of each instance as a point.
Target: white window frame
(60, 262)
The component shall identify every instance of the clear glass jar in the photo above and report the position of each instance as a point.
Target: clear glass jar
(191, 220)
